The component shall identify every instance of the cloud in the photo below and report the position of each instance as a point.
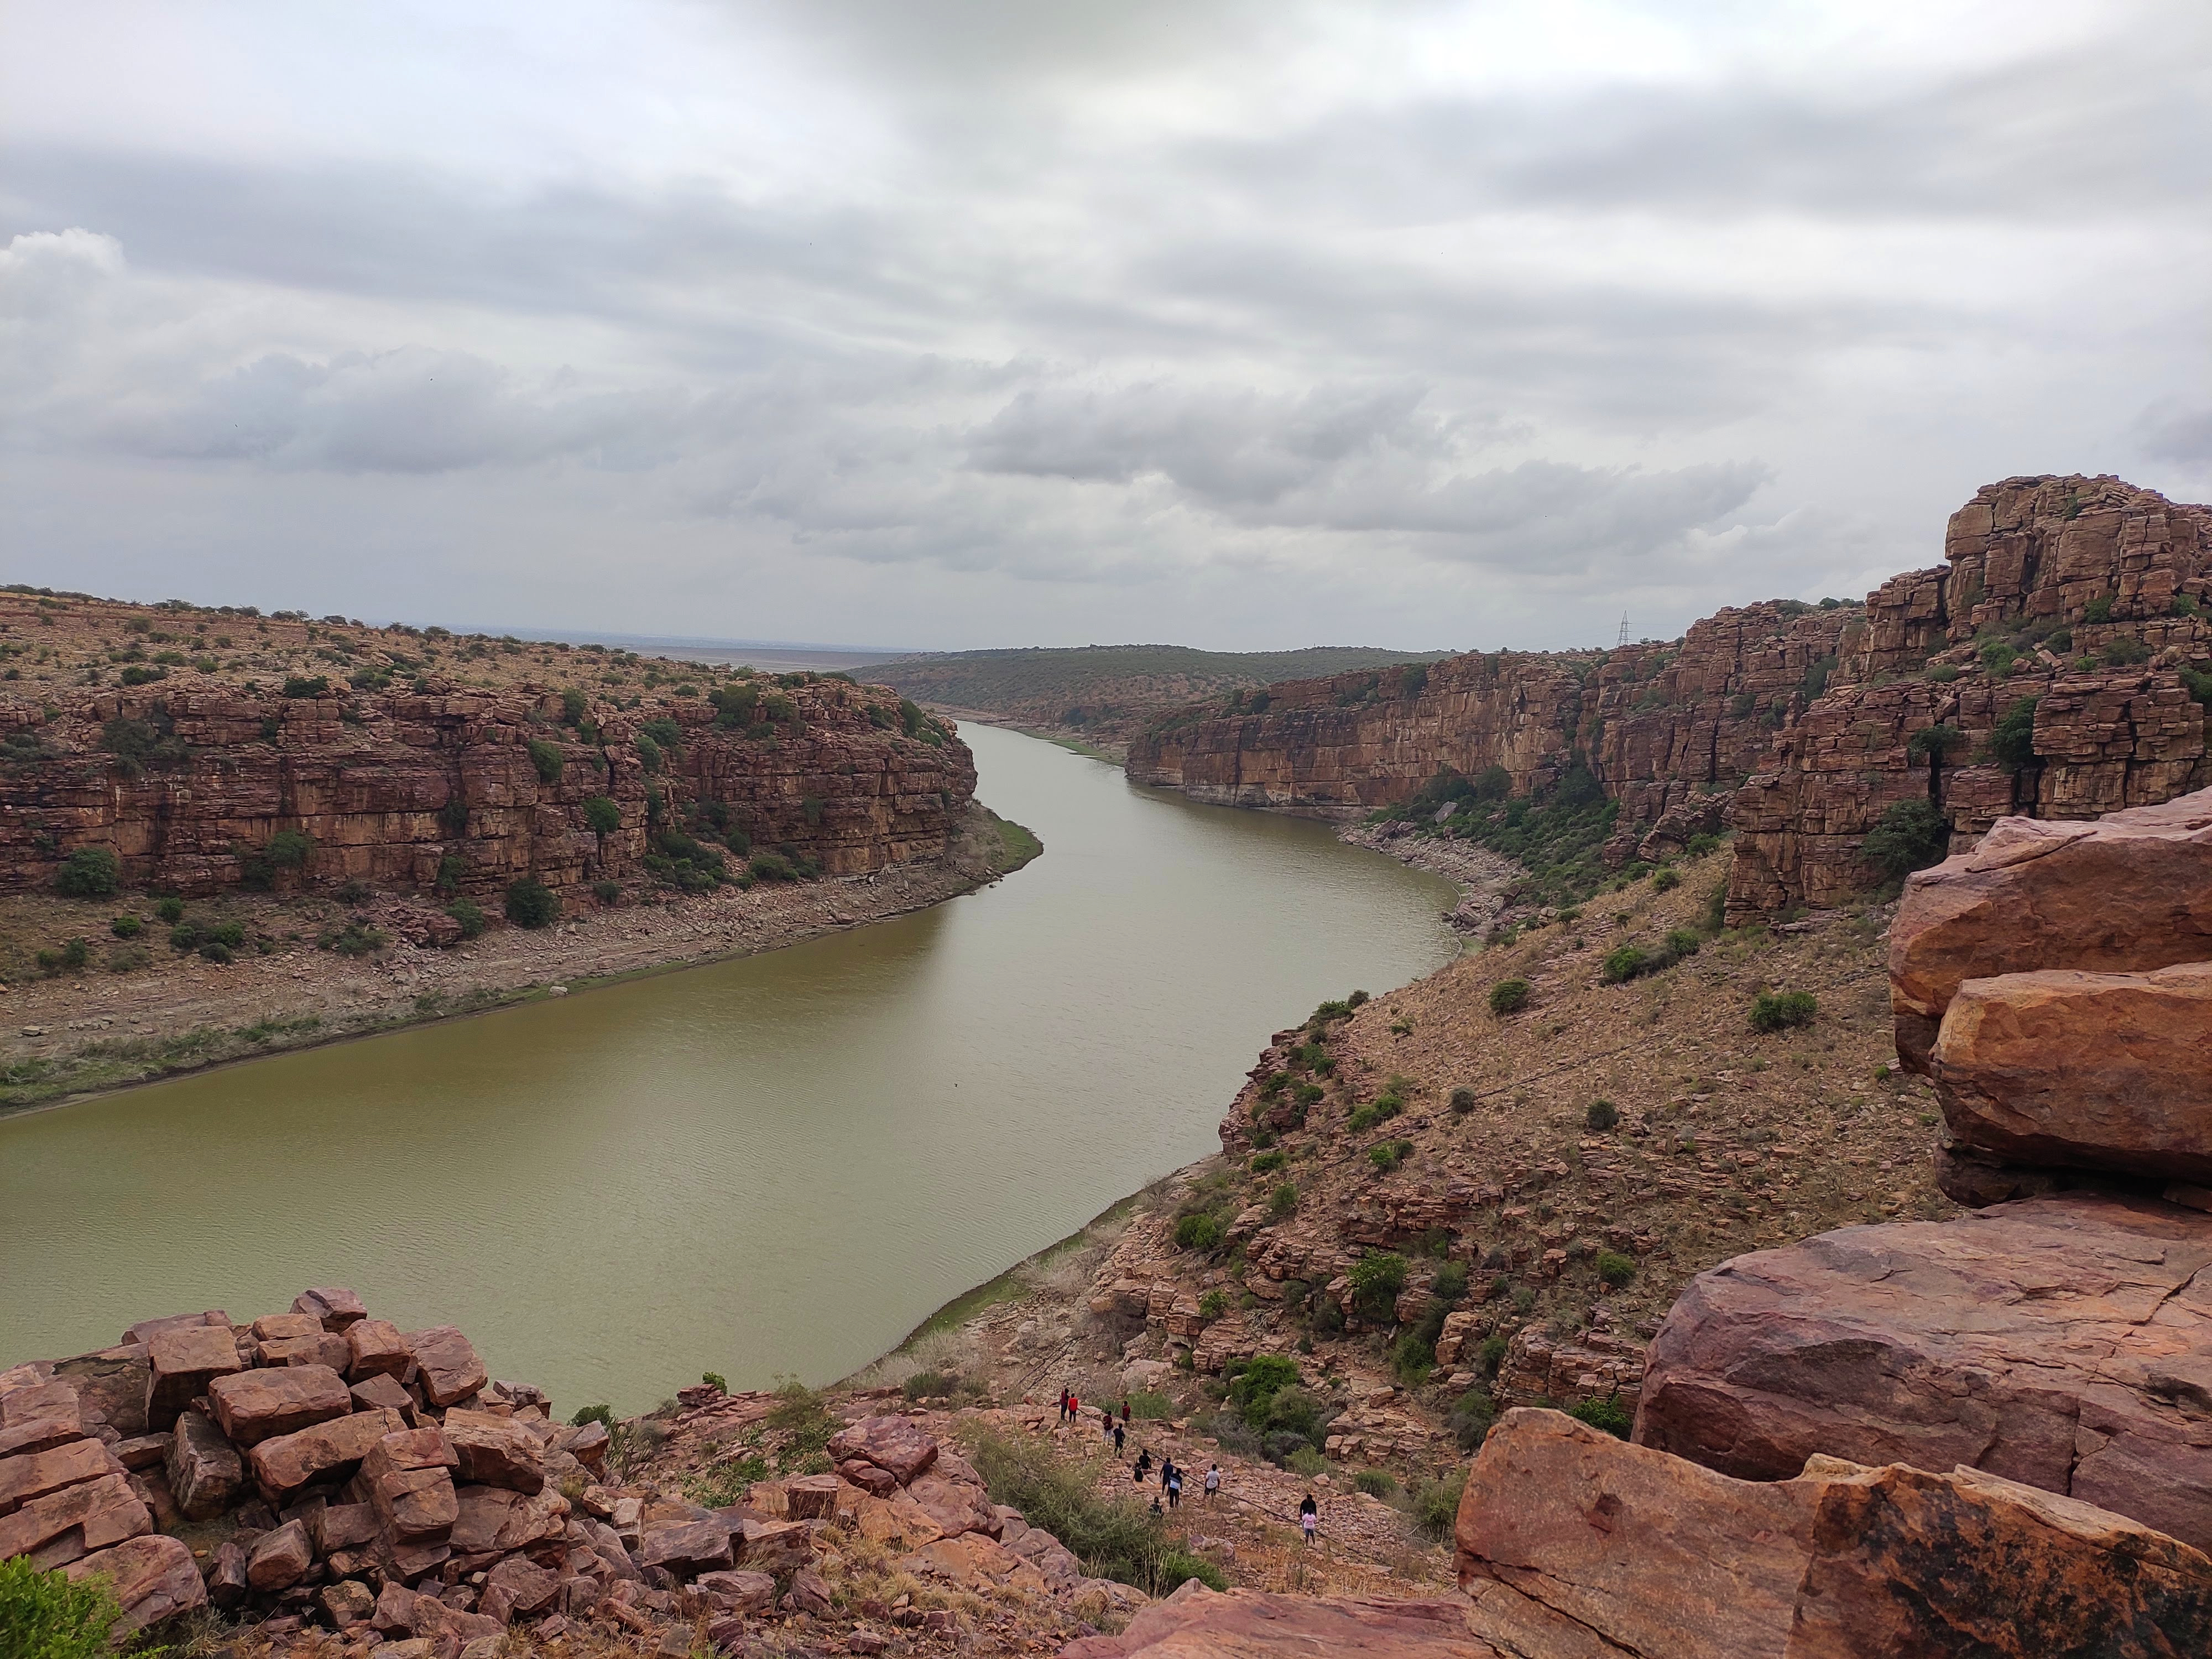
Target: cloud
(2172, 432)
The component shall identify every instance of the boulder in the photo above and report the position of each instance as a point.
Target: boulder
(374, 1347)
(688, 1548)
(896, 1520)
(771, 1546)
(323, 1348)
(451, 1371)
(2087, 1070)
(955, 1507)
(343, 1527)
(279, 1560)
(1573, 1543)
(33, 1474)
(205, 1472)
(2130, 892)
(326, 1455)
(525, 1589)
(1197, 1623)
(183, 1360)
(494, 1451)
(877, 1483)
(379, 1392)
(2064, 1341)
(346, 1603)
(147, 1329)
(226, 1578)
(37, 1414)
(154, 1576)
(66, 1525)
(409, 1481)
(270, 1327)
(895, 1444)
(587, 1442)
(333, 1305)
(111, 1386)
(495, 1519)
(739, 1592)
(810, 1496)
(254, 1405)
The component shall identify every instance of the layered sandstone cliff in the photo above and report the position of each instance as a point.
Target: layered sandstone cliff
(190, 781)
(2069, 605)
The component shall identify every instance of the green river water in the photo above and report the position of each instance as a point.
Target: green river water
(774, 1165)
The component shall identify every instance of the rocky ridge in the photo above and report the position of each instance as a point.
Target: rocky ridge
(2071, 607)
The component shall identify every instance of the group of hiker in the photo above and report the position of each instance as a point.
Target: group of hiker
(1116, 1428)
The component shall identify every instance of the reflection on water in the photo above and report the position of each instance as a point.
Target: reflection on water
(780, 1165)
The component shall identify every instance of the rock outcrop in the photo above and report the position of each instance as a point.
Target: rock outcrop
(2068, 605)
(190, 783)
(1197, 1623)
(1574, 1545)
(2056, 667)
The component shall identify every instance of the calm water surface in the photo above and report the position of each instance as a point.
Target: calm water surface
(781, 1164)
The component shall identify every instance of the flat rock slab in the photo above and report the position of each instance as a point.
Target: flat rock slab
(2064, 1341)
(184, 1360)
(901, 1448)
(153, 1577)
(451, 1371)
(325, 1455)
(256, 1404)
(1574, 1545)
(1197, 1623)
(2082, 1070)
(2126, 893)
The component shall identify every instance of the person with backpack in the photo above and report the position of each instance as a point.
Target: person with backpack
(1174, 1489)
(1144, 1466)
(1117, 1440)
(1213, 1480)
(1308, 1518)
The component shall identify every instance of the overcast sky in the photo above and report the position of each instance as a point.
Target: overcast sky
(947, 323)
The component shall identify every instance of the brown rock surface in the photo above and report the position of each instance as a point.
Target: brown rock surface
(2064, 1341)
(687, 1547)
(494, 1451)
(375, 1348)
(184, 1360)
(2089, 1071)
(1573, 1543)
(333, 1306)
(1197, 1623)
(204, 1469)
(253, 1406)
(891, 1443)
(153, 1577)
(280, 1558)
(326, 1454)
(64, 1525)
(28, 1475)
(2127, 893)
(451, 1371)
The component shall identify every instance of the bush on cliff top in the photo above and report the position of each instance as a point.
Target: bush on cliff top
(44, 1616)
(548, 759)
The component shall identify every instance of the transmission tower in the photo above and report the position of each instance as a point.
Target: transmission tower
(1623, 640)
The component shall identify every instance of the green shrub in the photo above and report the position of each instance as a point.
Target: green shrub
(1212, 1305)
(1997, 658)
(2099, 610)
(772, 866)
(1462, 1102)
(1911, 835)
(1469, 1420)
(89, 872)
(1198, 1232)
(1149, 1406)
(1449, 1285)
(1667, 880)
(1625, 964)
(1772, 1011)
(1267, 1163)
(548, 759)
(1942, 674)
(1283, 1202)
(649, 755)
(1436, 1504)
(1510, 996)
(2012, 745)
(354, 940)
(1603, 1115)
(126, 926)
(44, 1616)
(1492, 1354)
(70, 959)
(602, 1415)
(602, 815)
(470, 917)
(573, 708)
(1390, 1155)
(1375, 1483)
(1412, 1356)
(1112, 1537)
(170, 909)
(930, 1385)
(1614, 1268)
(531, 903)
(289, 849)
(302, 686)
(1608, 1415)
(1377, 1279)
(1179, 1566)
(1934, 742)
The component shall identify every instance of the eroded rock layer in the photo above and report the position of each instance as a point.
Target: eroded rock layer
(468, 789)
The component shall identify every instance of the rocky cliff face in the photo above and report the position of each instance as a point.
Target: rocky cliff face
(1803, 727)
(2071, 605)
(189, 781)
(1665, 728)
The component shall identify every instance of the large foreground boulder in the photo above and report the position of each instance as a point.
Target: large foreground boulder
(1576, 1546)
(2126, 893)
(2110, 1071)
(1197, 1623)
(2064, 1341)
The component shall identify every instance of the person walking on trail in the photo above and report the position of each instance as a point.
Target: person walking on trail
(1213, 1480)
(1308, 1518)
(1144, 1466)
(1105, 1422)
(1155, 1502)
(1175, 1490)
(1074, 1406)
(1063, 1404)
(1125, 1410)
(1117, 1440)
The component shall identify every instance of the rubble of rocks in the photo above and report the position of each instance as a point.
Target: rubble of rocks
(322, 1470)
(2062, 1338)
(1574, 1545)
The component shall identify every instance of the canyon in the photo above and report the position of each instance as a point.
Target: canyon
(2056, 666)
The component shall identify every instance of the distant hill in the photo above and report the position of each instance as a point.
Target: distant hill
(1103, 693)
